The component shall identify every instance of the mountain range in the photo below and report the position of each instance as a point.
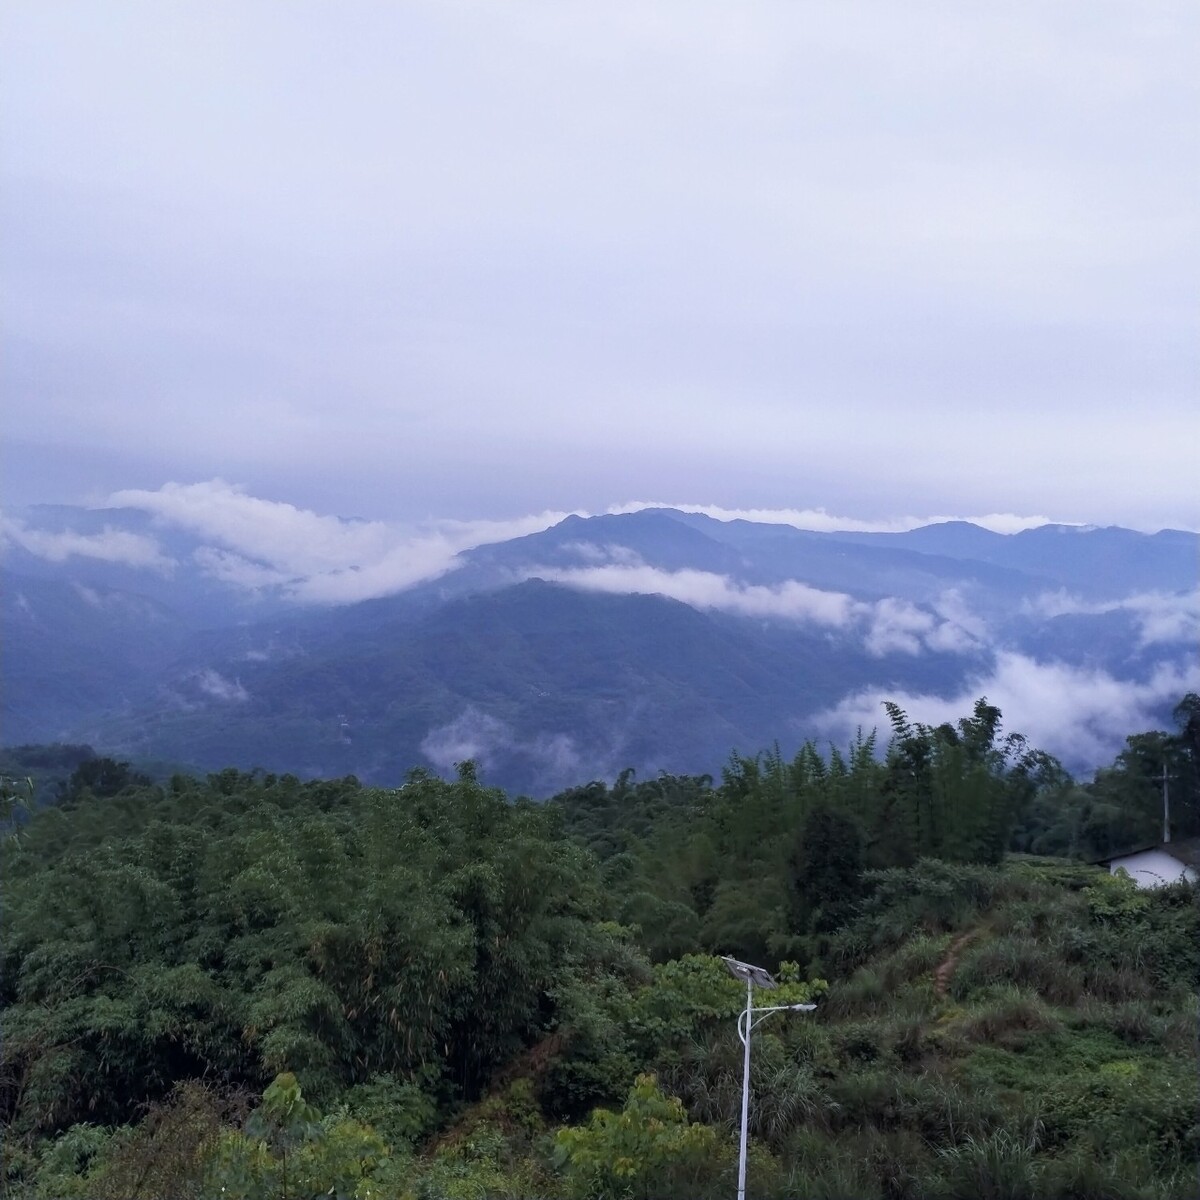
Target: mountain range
(656, 639)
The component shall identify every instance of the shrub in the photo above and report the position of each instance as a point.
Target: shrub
(865, 1098)
(1014, 959)
(400, 1111)
(908, 1041)
(648, 1149)
(474, 1167)
(898, 1160)
(1081, 1174)
(783, 1092)
(1008, 1019)
(288, 1150)
(167, 1153)
(1135, 1024)
(864, 991)
(69, 1160)
(859, 1043)
(914, 959)
(933, 896)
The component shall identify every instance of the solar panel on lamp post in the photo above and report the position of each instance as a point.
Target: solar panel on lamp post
(753, 977)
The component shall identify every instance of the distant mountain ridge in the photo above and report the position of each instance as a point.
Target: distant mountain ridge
(655, 639)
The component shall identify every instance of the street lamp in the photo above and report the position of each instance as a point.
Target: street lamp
(747, 1019)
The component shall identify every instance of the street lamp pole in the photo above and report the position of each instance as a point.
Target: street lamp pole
(745, 1087)
(745, 1036)
(747, 1019)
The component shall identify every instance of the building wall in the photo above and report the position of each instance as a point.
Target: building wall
(1152, 868)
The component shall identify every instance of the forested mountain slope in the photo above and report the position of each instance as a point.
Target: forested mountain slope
(654, 639)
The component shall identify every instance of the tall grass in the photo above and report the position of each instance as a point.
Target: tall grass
(1020, 960)
(1001, 1166)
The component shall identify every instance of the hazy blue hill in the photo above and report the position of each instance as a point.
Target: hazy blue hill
(525, 665)
(179, 582)
(823, 560)
(1110, 562)
(1095, 563)
(957, 539)
(543, 683)
(656, 537)
(751, 552)
(70, 650)
(1106, 641)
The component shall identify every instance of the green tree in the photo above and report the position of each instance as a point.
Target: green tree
(647, 1150)
(827, 866)
(288, 1152)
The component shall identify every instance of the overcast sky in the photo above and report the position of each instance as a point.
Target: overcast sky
(469, 260)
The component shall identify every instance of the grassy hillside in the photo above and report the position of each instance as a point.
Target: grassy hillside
(1026, 1031)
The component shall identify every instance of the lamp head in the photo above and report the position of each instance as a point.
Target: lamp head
(748, 973)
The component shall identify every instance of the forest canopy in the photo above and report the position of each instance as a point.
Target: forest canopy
(248, 979)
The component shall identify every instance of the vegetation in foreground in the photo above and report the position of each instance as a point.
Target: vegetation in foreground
(251, 986)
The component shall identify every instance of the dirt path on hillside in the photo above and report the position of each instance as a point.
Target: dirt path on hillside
(945, 971)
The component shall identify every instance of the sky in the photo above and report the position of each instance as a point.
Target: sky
(475, 261)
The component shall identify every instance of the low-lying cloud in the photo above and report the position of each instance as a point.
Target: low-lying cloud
(552, 760)
(888, 626)
(293, 539)
(1163, 618)
(706, 590)
(1080, 715)
(213, 683)
(314, 558)
(109, 545)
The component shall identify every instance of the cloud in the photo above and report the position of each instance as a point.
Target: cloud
(704, 589)
(228, 567)
(552, 759)
(890, 626)
(897, 627)
(291, 539)
(413, 561)
(959, 630)
(314, 558)
(213, 683)
(109, 545)
(609, 552)
(889, 220)
(1163, 618)
(473, 734)
(1081, 715)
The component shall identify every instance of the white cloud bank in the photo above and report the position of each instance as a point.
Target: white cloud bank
(213, 683)
(889, 626)
(109, 545)
(315, 558)
(1164, 618)
(476, 735)
(703, 589)
(1080, 715)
